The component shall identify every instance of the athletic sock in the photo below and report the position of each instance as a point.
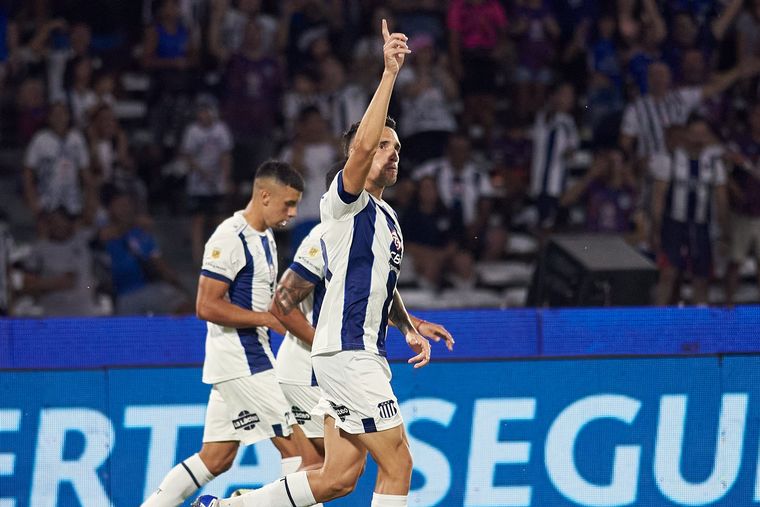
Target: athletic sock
(291, 491)
(290, 465)
(180, 483)
(379, 500)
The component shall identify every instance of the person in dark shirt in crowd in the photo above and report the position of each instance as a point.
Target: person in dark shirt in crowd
(142, 281)
(744, 189)
(609, 191)
(431, 231)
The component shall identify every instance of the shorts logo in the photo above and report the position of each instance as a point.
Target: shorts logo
(341, 411)
(245, 421)
(387, 409)
(300, 415)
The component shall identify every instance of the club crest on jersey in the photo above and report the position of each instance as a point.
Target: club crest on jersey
(216, 253)
(387, 409)
(313, 251)
(245, 421)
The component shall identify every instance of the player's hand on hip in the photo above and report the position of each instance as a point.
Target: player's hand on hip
(421, 346)
(394, 49)
(436, 332)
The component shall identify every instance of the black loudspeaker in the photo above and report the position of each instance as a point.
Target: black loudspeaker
(591, 270)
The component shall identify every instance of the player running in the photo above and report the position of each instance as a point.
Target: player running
(236, 285)
(362, 247)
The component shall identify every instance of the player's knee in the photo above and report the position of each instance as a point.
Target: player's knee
(218, 462)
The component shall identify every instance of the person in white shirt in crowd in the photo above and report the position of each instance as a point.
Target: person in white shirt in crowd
(466, 190)
(687, 183)
(206, 149)
(311, 153)
(555, 140)
(428, 92)
(57, 167)
(344, 102)
(228, 20)
(60, 272)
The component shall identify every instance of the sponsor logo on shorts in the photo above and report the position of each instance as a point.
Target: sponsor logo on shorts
(300, 415)
(387, 409)
(245, 421)
(341, 411)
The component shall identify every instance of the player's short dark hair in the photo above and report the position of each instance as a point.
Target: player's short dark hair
(282, 172)
(348, 135)
(334, 170)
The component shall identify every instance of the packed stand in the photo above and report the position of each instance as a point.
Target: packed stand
(131, 129)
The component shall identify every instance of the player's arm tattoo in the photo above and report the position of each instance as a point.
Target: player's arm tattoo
(399, 316)
(291, 290)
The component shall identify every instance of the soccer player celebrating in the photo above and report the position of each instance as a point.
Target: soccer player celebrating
(236, 285)
(362, 247)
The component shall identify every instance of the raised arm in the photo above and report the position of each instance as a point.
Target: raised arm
(291, 290)
(371, 127)
(211, 305)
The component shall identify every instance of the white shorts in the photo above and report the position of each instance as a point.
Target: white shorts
(356, 391)
(302, 401)
(247, 409)
(745, 234)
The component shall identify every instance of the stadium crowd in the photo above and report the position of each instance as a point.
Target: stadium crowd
(517, 119)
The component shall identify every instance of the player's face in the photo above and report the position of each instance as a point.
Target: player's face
(384, 169)
(281, 205)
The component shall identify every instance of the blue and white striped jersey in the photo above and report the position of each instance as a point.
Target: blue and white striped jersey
(363, 248)
(690, 193)
(294, 356)
(553, 138)
(246, 259)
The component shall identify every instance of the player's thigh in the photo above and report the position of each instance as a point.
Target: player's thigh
(257, 407)
(390, 450)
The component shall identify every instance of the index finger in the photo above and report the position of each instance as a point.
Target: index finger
(386, 33)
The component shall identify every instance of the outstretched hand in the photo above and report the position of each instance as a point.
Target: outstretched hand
(436, 332)
(394, 49)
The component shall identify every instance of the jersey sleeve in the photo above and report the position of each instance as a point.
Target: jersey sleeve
(223, 257)
(308, 262)
(339, 204)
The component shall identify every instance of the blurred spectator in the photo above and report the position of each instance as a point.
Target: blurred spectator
(312, 153)
(253, 85)
(228, 24)
(555, 139)
(609, 191)
(431, 229)
(535, 29)
(303, 93)
(464, 189)
(345, 102)
(686, 182)
(427, 91)
(60, 275)
(642, 36)
(206, 148)
(79, 93)
(170, 55)
(9, 45)
(304, 30)
(748, 28)
(57, 167)
(31, 109)
(365, 65)
(647, 119)
(476, 29)
(110, 157)
(744, 189)
(511, 152)
(7, 253)
(142, 282)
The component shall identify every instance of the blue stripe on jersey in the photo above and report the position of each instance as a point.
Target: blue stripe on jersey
(319, 296)
(241, 294)
(390, 287)
(358, 279)
(328, 273)
(548, 159)
(304, 273)
(345, 196)
(215, 276)
(314, 378)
